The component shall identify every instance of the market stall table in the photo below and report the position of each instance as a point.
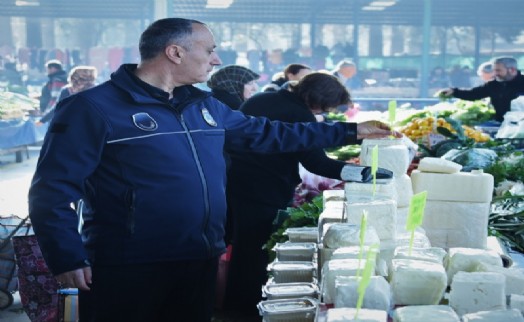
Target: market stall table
(16, 135)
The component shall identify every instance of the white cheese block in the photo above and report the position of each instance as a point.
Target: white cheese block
(386, 190)
(461, 186)
(377, 296)
(332, 195)
(431, 254)
(514, 277)
(392, 155)
(334, 268)
(382, 214)
(387, 247)
(494, 316)
(456, 224)
(350, 252)
(344, 234)
(415, 282)
(467, 260)
(477, 291)
(429, 164)
(516, 301)
(402, 218)
(425, 313)
(330, 215)
(404, 190)
(337, 204)
(348, 314)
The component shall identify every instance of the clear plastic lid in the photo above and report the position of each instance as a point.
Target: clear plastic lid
(291, 289)
(290, 246)
(290, 266)
(302, 231)
(301, 305)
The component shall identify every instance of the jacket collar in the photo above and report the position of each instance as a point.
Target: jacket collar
(142, 92)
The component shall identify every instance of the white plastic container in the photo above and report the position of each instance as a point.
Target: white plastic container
(288, 310)
(295, 251)
(292, 272)
(290, 291)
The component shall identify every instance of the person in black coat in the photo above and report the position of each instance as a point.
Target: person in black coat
(507, 85)
(261, 184)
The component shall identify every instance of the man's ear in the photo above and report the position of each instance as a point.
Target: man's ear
(175, 53)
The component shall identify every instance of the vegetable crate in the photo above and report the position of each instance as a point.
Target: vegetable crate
(9, 227)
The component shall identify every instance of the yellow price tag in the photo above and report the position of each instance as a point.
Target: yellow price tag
(416, 214)
(362, 237)
(369, 268)
(392, 109)
(374, 166)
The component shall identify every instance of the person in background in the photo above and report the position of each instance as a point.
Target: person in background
(57, 78)
(292, 72)
(259, 185)
(144, 150)
(233, 84)
(346, 71)
(438, 78)
(485, 72)
(80, 78)
(507, 85)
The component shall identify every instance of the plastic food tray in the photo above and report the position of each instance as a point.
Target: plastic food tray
(295, 251)
(290, 291)
(288, 310)
(302, 234)
(292, 272)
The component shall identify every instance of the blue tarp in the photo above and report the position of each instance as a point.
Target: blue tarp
(15, 133)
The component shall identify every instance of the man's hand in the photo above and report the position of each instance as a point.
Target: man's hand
(445, 93)
(78, 278)
(375, 130)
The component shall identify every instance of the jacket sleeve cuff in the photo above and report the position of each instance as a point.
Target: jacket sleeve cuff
(351, 134)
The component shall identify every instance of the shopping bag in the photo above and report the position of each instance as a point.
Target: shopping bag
(223, 267)
(37, 286)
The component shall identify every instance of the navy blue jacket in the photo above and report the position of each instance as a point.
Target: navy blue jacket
(150, 169)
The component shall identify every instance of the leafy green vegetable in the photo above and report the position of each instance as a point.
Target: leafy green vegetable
(344, 153)
(304, 216)
(506, 220)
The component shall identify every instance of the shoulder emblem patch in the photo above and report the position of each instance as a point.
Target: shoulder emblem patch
(145, 122)
(208, 118)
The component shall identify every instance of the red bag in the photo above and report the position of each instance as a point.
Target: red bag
(223, 267)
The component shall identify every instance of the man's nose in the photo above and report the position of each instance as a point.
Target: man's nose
(216, 61)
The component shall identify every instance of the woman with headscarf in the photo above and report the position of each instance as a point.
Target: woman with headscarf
(80, 78)
(233, 84)
(259, 185)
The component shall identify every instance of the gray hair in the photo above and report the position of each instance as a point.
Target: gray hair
(486, 67)
(165, 32)
(508, 62)
(345, 63)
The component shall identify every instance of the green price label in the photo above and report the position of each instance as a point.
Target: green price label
(362, 237)
(392, 109)
(374, 166)
(369, 268)
(416, 210)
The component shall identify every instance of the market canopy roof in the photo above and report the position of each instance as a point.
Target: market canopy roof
(485, 13)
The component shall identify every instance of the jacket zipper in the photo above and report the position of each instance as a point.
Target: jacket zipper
(130, 224)
(201, 173)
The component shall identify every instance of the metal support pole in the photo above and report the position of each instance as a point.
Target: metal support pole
(426, 38)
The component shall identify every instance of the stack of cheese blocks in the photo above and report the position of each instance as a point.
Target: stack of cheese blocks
(458, 203)
(416, 280)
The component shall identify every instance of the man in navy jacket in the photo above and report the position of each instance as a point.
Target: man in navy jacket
(144, 151)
